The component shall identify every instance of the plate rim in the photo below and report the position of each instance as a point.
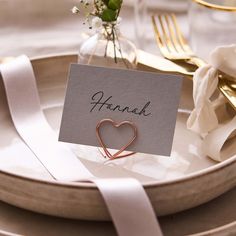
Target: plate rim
(86, 184)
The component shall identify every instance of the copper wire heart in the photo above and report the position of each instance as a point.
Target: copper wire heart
(123, 148)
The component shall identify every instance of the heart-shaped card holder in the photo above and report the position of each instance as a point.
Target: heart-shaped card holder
(118, 154)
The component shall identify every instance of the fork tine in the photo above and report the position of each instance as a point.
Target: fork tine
(172, 33)
(181, 38)
(159, 39)
(168, 41)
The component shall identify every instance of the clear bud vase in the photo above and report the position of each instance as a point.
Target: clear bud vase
(108, 48)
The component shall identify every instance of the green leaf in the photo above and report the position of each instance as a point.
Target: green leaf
(105, 2)
(108, 15)
(114, 4)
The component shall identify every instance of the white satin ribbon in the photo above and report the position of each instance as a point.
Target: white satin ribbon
(214, 141)
(127, 202)
(129, 207)
(31, 124)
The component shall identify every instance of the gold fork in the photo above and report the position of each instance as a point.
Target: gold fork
(174, 47)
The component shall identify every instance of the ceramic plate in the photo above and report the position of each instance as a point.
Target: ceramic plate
(182, 181)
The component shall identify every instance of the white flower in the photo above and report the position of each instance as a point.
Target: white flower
(119, 19)
(96, 22)
(75, 10)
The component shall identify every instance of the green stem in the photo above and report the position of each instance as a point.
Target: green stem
(119, 49)
(105, 55)
(118, 13)
(114, 43)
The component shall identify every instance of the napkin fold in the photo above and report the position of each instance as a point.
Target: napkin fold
(204, 119)
(220, 144)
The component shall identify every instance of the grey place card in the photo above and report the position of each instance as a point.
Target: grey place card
(149, 100)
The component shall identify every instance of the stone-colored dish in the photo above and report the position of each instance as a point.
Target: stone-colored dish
(25, 183)
(225, 230)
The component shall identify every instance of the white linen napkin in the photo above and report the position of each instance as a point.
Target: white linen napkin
(204, 118)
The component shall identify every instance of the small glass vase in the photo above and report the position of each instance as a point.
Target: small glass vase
(108, 48)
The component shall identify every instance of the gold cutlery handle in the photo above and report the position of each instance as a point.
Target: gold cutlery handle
(197, 61)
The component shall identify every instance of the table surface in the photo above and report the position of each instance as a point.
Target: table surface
(43, 29)
(218, 212)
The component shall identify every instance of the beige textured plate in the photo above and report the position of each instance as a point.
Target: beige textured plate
(185, 180)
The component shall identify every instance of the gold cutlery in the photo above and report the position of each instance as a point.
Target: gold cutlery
(150, 62)
(175, 48)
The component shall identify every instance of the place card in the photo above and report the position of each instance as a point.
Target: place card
(148, 100)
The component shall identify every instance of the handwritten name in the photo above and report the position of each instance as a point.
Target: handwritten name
(99, 103)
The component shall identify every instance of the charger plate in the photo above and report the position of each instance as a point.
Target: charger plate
(183, 181)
